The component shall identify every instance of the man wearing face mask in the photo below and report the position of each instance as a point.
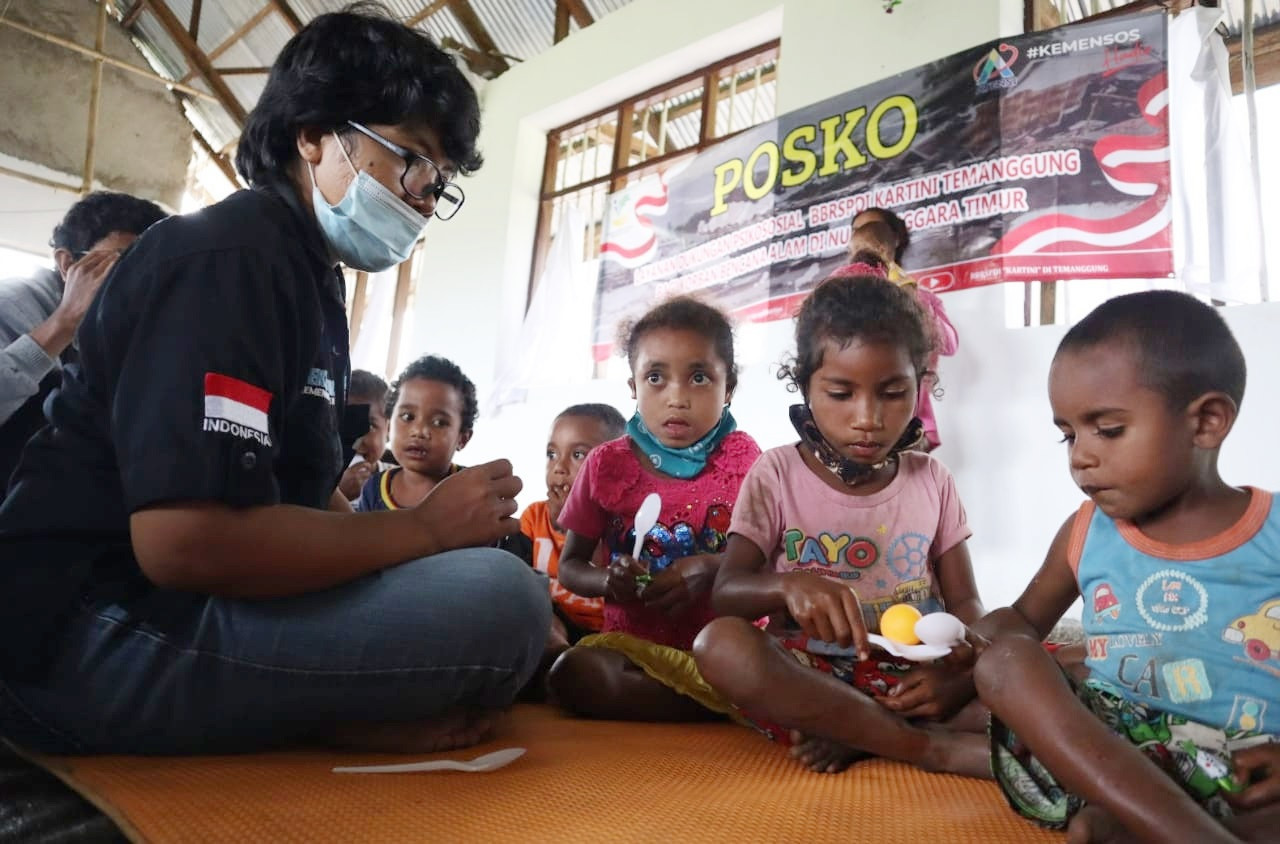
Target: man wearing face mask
(178, 572)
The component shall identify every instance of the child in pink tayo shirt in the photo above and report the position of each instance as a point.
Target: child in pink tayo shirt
(829, 532)
(681, 444)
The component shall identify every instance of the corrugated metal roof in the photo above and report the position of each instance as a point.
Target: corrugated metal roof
(1265, 12)
(520, 29)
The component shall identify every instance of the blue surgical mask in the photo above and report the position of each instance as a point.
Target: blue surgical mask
(370, 228)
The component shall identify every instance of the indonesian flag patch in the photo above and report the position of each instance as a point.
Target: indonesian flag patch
(232, 406)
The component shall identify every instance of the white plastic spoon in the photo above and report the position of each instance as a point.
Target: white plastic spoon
(646, 518)
(941, 630)
(915, 653)
(481, 764)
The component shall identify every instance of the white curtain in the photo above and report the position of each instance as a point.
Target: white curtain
(554, 347)
(1217, 233)
(374, 340)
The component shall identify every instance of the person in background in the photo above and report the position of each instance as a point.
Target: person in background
(877, 241)
(575, 433)
(39, 315)
(178, 570)
(433, 411)
(369, 390)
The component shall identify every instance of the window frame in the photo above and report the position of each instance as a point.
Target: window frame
(620, 170)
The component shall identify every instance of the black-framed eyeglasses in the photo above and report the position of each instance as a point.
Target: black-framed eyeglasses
(421, 177)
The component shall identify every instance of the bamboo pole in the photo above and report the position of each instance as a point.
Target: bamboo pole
(95, 97)
(111, 60)
(37, 180)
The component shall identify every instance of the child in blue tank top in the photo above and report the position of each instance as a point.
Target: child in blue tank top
(1173, 735)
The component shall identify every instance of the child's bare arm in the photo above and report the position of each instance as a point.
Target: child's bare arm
(743, 586)
(959, 589)
(579, 575)
(1049, 594)
(939, 691)
(576, 573)
(823, 608)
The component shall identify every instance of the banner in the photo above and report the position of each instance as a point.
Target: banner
(1043, 156)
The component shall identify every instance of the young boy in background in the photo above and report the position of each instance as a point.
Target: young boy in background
(575, 432)
(370, 390)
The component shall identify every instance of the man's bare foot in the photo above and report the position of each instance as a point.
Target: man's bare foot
(451, 730)
(821, 755)
(1094, 825)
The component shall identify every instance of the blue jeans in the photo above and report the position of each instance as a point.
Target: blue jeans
(463, 628)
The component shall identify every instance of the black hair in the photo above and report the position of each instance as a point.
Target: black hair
(359, 64)
(98, 215)
(847, 308)
(606, 414)
(896, 223)
(436, 368)
(366, 385)
(688, 314)
(1183, 347)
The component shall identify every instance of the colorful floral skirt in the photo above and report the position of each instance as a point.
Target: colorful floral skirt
(1196, 756)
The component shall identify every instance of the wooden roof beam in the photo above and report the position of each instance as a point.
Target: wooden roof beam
(131, 16)
(427, 12)
(197, 58)
(578, 9)
(236, 36)
(286, 11)
(466, 15)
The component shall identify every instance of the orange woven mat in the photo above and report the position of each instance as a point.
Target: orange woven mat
(581, 781)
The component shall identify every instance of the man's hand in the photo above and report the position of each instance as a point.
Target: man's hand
(83, 278)
(472, 508)
(675, 588)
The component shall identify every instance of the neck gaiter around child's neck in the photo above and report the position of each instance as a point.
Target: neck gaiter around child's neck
(849, 471)
(683, 463)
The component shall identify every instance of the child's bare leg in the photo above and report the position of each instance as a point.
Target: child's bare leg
(535, 691)
(1024, 688)
(751, 669)
(603, 683)
(1094, 825)
(460, 727)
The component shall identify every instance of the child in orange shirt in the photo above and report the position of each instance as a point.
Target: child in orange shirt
(575, 432)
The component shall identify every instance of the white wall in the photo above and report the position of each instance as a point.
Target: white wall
(994, 419)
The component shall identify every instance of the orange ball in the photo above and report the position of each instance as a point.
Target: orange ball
(898, 623)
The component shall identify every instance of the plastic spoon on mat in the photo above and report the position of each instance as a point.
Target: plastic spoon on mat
(481, 764)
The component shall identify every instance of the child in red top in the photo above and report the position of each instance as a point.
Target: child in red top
(575, 433)
(681, 444)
